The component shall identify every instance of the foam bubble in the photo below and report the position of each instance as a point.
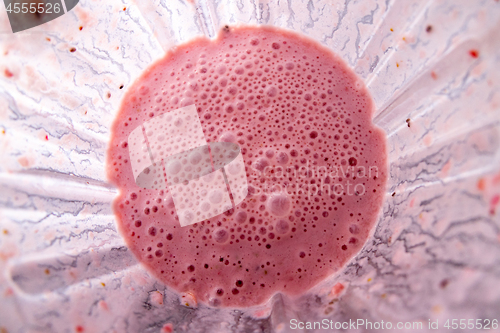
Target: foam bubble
(221, 69)
(205, 207)
(279, 204)
(241, 216)
(354, 229)
(282, 227)
(173, 167)
(215, 196)
(195, 157)
(282, 158)
(261, 164)
(232, 90)
(234, 168)
(220, 235)
(187, 101)
(227, 137)
(271, 91)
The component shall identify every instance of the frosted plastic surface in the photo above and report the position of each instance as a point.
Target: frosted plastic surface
(432, 69)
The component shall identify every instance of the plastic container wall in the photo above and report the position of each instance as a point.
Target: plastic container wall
(432, 69)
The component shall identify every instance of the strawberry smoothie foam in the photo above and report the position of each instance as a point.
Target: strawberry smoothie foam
(316, 166)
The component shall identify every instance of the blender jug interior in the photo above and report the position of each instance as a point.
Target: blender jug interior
(432, 69)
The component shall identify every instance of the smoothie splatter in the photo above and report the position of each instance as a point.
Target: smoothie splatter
(315, 163)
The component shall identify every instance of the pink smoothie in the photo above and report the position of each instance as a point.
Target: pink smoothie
(316, 166)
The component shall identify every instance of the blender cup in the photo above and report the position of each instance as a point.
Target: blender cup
(434, 254)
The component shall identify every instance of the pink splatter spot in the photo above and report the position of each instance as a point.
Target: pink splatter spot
(493, 203)
(262, 313)
(103, 305)
(8, 73)
(337, 289)
(9, 292)
(23, 161)
(496, 179)
(446, 169)
(167, 328)
(427, 140)
(157, 298)
(481, 184)
(474, 53)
